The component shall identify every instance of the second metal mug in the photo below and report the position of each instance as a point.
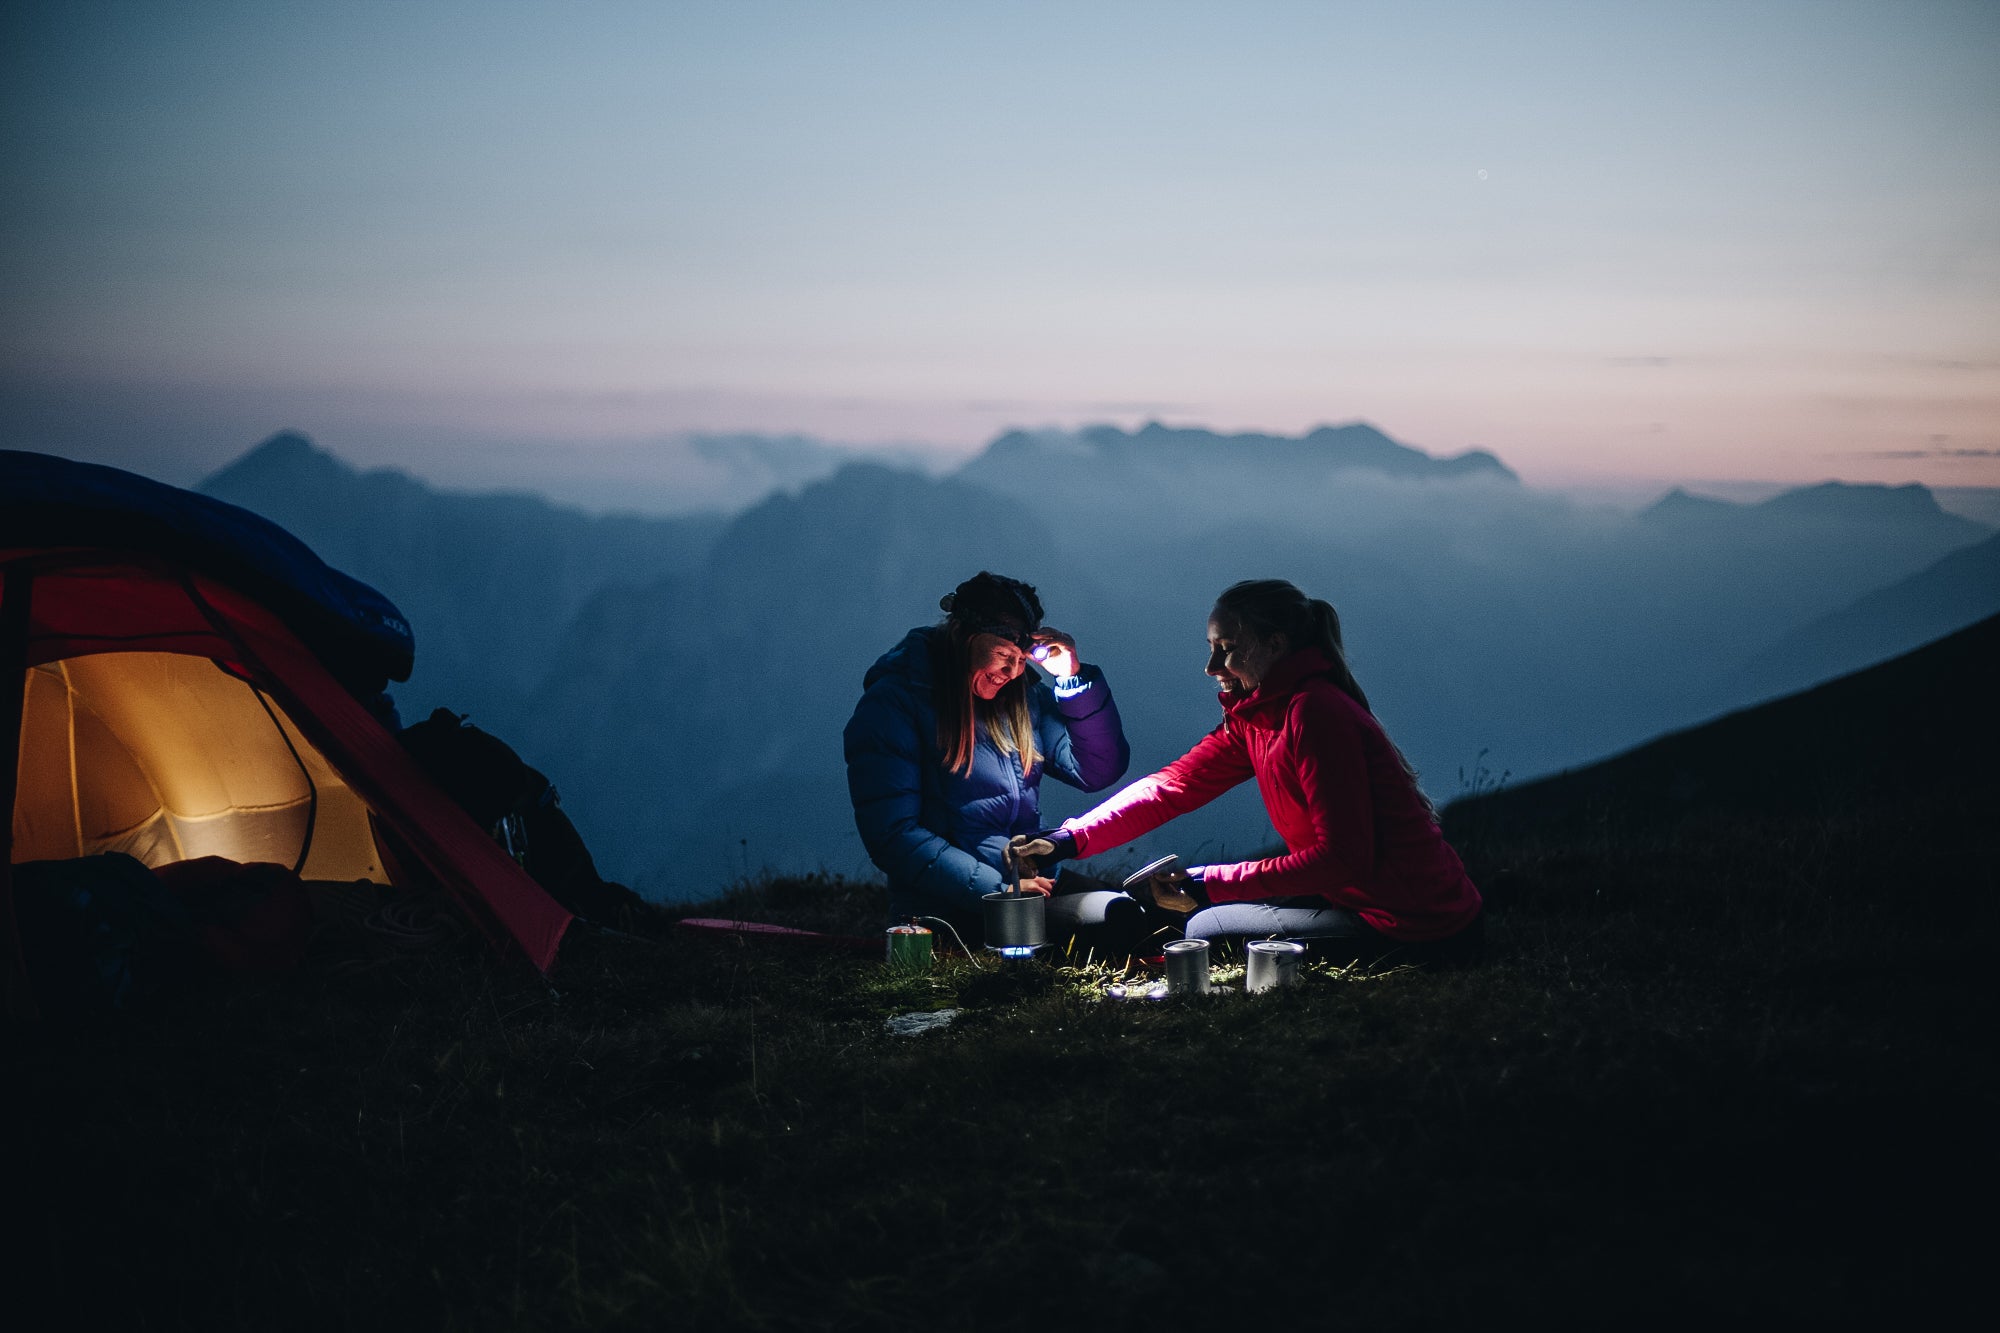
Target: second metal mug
(1187, 967)
(1272, 963)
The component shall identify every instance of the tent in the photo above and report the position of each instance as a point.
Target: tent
(181, 678)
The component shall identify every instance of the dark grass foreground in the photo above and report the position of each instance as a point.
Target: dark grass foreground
(1747, 1074)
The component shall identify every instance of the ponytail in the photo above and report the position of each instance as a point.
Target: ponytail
(1322, 626)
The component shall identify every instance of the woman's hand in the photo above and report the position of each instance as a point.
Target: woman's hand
(1056, 651)
(1035, 854)
(1169, 889)
(1022, 854)
(1029, 853)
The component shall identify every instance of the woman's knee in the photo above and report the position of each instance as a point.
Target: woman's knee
(1108, 922)
(1233, 921)
(1210, 923)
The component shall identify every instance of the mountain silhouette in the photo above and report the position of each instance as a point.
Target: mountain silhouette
(489, 581)
(1156, 449)
(1849, 505)
(1866, 502)
(1696, 586)
(1679, 508)
(1960, 588)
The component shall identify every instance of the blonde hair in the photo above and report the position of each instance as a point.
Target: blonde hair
(961, 714)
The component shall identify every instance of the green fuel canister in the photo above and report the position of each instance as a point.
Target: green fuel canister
(909, 948)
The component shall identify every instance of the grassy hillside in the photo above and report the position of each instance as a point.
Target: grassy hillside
(1731, 1060)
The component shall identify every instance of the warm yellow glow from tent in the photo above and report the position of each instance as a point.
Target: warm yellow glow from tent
(167, 757)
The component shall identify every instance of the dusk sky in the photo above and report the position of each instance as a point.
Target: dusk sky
(489, 242)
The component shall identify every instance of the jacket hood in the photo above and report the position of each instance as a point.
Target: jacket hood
(909, 659)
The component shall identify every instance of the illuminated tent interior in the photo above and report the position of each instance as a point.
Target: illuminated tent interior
(180, 678)
(167, 757)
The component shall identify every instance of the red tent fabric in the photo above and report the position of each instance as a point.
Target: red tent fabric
(68, 603)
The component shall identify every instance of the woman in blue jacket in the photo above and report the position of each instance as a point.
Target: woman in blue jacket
(946, 750)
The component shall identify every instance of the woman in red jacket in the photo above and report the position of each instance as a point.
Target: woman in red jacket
(1365, 872)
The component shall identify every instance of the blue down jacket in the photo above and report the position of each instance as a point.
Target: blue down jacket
(938, 835)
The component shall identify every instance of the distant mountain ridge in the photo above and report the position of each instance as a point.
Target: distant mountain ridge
(1326, 449)
(1682, 506)
(487, 580)
(1980, 503)
(1828, 500)
(1724, 580)
(1960, 588)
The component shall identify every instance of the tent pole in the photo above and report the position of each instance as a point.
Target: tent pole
(75, 778)
(15, 593)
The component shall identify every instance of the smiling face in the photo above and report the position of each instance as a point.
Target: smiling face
(995, 664)
(1238, 659)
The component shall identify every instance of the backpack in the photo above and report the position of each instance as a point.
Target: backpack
(522, 811)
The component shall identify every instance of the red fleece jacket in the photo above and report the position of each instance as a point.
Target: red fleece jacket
(1356, 830)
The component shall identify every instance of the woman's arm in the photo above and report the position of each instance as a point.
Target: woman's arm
(1080, 733)
(1216, 763)
(884, 750)
(1331, 766)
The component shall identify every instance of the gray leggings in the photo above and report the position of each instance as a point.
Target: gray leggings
(1332, 934)
(1280, 919)
(1104, 919)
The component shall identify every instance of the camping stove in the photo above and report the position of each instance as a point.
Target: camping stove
(1016, 923)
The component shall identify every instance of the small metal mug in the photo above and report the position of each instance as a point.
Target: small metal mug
(1187, 967)
(1272, 963)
